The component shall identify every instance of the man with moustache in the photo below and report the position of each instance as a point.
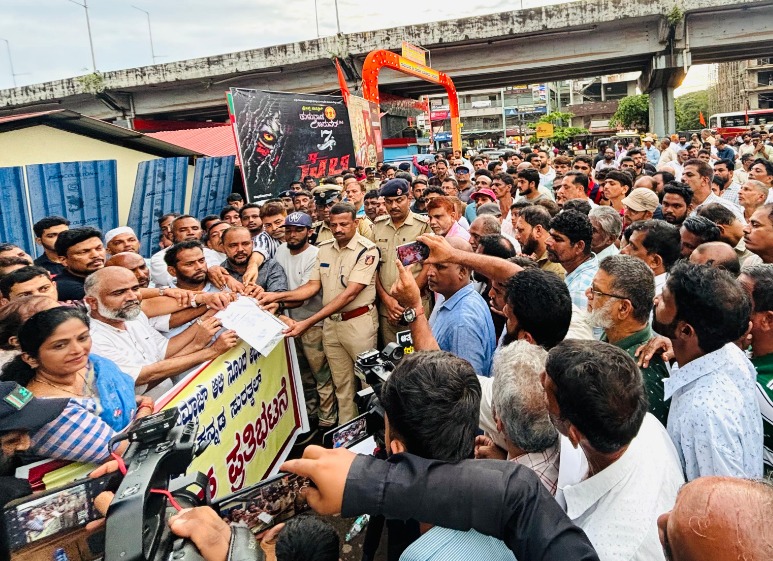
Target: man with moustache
(183, 228)
(345, 273)
(620, 301)
(569, 244)
(714, 418)
(170, 315)
(677, 202)
(82, 253)
(238, 251)
(46, 231)
(121, 239)
(401, 226)
(532, 231)
(120, 332)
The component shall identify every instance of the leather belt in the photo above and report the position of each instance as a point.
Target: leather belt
(351, 314)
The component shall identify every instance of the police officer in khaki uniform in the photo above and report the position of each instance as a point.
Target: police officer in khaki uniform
(325, 196)
(399, 227)
(346, 274)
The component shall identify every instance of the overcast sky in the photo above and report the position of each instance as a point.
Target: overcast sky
(48, 38)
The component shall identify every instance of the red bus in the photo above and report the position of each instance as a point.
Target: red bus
(730, 125)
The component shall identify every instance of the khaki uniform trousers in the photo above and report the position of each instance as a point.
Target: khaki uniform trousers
(343, 341)
(316, 377)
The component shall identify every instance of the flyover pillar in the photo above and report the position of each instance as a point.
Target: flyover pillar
(662, 111)
(663, 74)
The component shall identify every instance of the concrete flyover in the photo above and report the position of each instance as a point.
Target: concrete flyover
(575, 40)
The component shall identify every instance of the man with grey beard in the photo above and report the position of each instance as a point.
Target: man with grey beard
(620, 301)
(120, 332)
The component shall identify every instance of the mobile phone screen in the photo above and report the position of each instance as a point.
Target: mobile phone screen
(347, 435)
(266, 504)
(410, 253)
(34, 518)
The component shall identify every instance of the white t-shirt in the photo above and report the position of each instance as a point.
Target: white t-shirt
(158, 270)
(132, 348)
(298, 269)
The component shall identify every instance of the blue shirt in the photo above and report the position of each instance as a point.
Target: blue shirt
(444, 544)
(714, 419)
(653, 154)
(462, 325)
(580, 279)
(726, 154)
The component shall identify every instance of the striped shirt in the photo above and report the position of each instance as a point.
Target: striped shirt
(265, 244)
(444, 544)
(78, 434)
(580, 279)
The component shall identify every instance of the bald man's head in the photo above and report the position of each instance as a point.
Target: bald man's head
(717, 254)
(721, 519)
(459, 243)
(133, 262)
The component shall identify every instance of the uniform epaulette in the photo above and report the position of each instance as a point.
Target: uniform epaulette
(421, 217)
(325, 242)
(366, 242)
(382, 218)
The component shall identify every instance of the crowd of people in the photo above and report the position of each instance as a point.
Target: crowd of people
(603, 323)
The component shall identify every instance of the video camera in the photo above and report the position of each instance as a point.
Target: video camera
(374, 368)
(137, 526)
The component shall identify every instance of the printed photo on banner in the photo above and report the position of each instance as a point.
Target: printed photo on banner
(366, 131)
(283, 137)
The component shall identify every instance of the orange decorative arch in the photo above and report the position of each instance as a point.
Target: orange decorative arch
(376, 60)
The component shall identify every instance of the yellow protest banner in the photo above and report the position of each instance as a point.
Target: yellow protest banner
(544, 130)
(250, 408)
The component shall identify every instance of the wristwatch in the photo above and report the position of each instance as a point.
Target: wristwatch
(409, 316)
(161, 290)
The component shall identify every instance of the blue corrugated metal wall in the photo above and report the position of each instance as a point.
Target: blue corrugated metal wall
(212, 183)
(15, 226)
(86, 193)
(159, 188)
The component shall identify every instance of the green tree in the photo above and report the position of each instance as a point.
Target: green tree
(633, 112)
(561, 134)
(688, 109)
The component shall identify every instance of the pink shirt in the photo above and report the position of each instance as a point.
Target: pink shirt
(459, 232)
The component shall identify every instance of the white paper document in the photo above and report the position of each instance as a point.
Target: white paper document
(256, 326)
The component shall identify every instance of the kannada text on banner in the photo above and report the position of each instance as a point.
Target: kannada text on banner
(250, 408)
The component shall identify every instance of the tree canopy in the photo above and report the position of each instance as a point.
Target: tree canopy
(689, 108)
(633, 112)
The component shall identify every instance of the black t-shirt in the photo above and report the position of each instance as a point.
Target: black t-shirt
(50, 266)
(69, 286)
